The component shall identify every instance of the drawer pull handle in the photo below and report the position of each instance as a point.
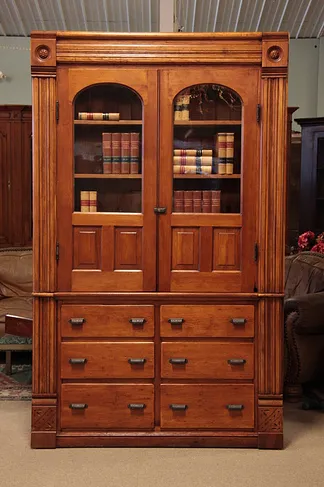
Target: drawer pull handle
(77, 321)
(78, 406)
(238, 321)
(176, 321)
(236, 361)
(136, 406)
(235, 407)
(76, 361)
(178, 407)
(137, 321)
(178, 361)
(136, 361)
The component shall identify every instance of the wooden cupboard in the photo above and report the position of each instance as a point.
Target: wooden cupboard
(159, 209)
(16, 175)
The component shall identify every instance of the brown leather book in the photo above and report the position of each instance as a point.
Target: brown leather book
(178, 203)
(125, 152)
(134, 152)
(196, 201)
(215, 201)
(206, 201)
(115, 152)
(187, 202)
(106, 152)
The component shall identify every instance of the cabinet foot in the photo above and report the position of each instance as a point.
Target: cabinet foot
(270, 441)
(43, 439)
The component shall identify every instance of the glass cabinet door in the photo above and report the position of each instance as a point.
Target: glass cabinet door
(208, 164)
(104, 152)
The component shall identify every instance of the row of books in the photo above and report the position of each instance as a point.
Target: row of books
(181, 107)
(121, 152)
(208, 201)
(201, 163)
(98, 116)
(88, 201)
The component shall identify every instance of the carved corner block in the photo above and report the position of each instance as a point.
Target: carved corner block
(43, 55)
(44, 419)
(275, 49)
(270, 419)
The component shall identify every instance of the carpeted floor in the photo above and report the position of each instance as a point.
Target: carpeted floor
(16, 387)
(300, 464)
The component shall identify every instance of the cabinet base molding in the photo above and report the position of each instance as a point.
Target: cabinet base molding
(201, 440)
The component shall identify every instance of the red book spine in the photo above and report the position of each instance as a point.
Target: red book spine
(134, 152)
(187, 202)
(106, 152)
(206, 201)
(125, 152)
(178, 201)
(115, 152)
(215, 201)
(196, 201)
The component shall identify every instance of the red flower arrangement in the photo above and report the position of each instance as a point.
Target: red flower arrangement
(308, 241)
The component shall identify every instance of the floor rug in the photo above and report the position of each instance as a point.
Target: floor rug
(15, 387)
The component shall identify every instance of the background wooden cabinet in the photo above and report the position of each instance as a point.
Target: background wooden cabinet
(15, 176)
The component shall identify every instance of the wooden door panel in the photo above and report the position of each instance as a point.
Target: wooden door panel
(219, 255)
(115, 250)
(5, 216)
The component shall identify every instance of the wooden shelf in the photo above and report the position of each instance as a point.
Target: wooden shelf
(108, 176)
(207, 176)
(107, 122)
(206, 122)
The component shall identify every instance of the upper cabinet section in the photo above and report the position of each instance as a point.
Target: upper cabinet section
(207, 149)
(107, 149)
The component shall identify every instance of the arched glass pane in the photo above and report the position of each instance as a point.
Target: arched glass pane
(107, 149)
(207, 150)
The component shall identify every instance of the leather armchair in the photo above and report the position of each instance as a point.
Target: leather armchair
(304, 322)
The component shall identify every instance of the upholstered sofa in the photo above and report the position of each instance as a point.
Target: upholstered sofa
(15, 295)
(304, 322)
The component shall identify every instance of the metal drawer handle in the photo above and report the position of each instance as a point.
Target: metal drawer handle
(176, 321)
(236, 361)
(75, 361)
(178, 361)
(235, 407)
(78, 406)
(77, 321)
(136, 361)
(238, 321)
(178, 407)
(136, 406)
(137, 321)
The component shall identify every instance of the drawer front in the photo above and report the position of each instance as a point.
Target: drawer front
(207, 321)
(104, 321)
(207, 406)
(107, 406)
(203, 360)
(113, 360)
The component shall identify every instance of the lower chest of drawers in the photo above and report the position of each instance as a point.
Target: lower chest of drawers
(117, 373)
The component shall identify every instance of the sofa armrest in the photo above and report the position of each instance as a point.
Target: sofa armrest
(310, 310)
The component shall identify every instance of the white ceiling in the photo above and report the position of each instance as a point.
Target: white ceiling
(302, 18)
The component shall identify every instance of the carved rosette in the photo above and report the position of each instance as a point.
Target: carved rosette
(274, 54)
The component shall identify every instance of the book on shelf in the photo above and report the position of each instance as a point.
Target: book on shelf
(106, 153)
(229, 153)
(98, 116)
(196, 201)
(177, 169)
(221, 152)
(115, 152)
(187, 201)
(193, 152)
(181, 107)
(191, 160)
(92, 201)
(178, 201)
(215, 201)
(134, 152)
(206, 201)
(88, 201)
(125, 151)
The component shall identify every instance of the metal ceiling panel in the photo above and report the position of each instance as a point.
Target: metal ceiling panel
(302, 18)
